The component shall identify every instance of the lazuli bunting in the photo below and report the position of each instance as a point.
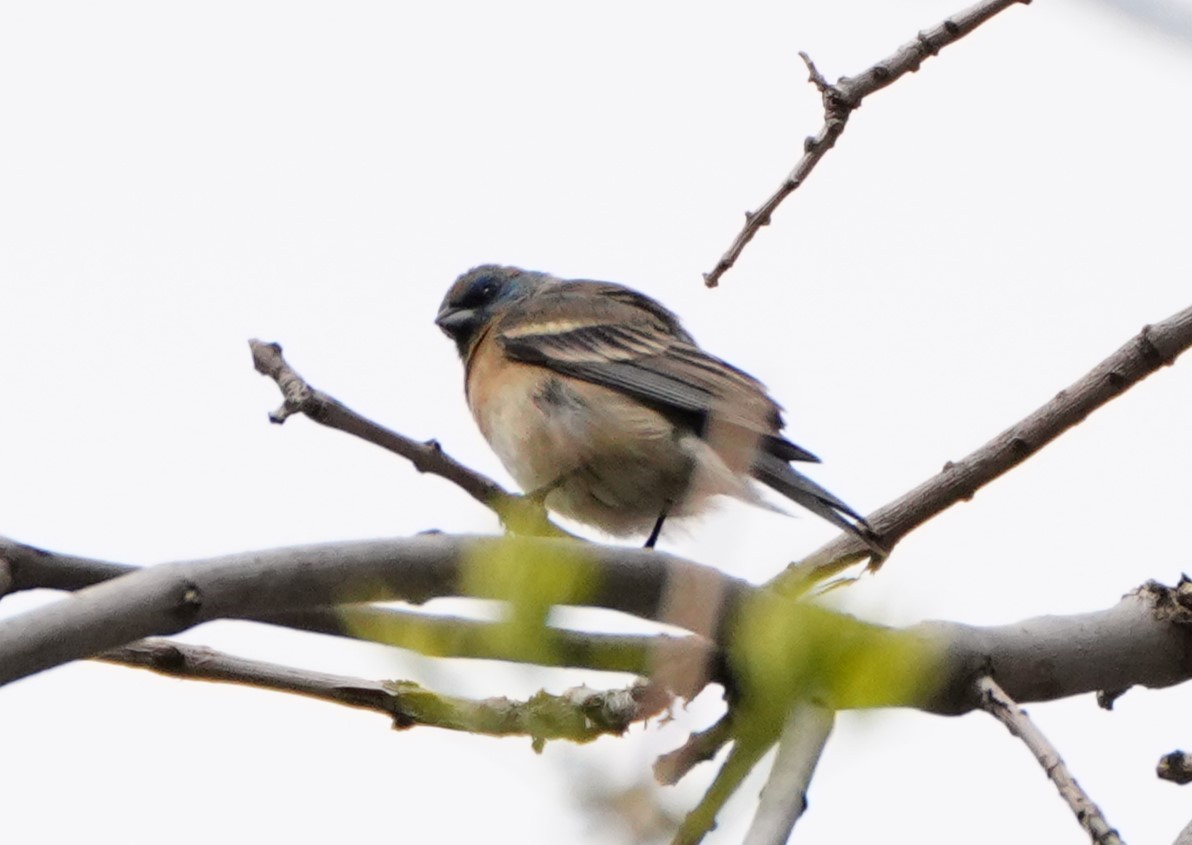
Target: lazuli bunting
(600, 404)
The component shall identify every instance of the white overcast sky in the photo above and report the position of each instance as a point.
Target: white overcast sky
(178, 177)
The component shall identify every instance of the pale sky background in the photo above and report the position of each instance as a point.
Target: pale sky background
(176, 178)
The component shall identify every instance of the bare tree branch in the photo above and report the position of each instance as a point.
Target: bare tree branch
(1185, 836)
(459, 637)
(1144, 639)
(1154, 347)
(700, 747)
(784, 797)
(842, 99)
(577, 715)
(1141, 640)
(27, 568)
(934, 666)
(1003, 708)
(517, 513)
(168, 598)
(742, 757)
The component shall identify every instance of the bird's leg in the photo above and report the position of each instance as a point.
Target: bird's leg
(653, 538)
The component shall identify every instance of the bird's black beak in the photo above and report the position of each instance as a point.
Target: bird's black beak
(456, 321)
(461, 325)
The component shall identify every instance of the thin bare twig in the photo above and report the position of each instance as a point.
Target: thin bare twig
(700, 747)
(1154, 347)
(784, 797)
(742, 757)
(841, 99)
(1003, 708)
(519, 514)
(578, 715)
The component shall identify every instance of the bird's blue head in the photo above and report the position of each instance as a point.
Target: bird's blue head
(479, 295)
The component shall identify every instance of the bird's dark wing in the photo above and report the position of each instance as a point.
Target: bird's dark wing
(623, 340)
(612, 336)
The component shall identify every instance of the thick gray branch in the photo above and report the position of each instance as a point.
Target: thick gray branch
(172, 597)
(24, 567)
(1144, 639)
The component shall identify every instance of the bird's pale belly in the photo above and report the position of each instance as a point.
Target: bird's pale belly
(598, 456)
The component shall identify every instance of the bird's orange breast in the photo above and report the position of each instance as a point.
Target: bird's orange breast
(501, 395)
(606, 459)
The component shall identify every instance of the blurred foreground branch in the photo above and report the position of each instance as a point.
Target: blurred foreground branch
(784, 797)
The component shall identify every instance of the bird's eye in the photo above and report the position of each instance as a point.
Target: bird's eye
(482, 292)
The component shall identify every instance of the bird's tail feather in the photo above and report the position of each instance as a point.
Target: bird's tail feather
(785, 479)
(782, 448)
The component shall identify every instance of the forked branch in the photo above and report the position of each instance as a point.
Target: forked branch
(519, 514)
(842, 99)
(1003, 708)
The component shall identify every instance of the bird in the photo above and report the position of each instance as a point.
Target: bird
(605, 410)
